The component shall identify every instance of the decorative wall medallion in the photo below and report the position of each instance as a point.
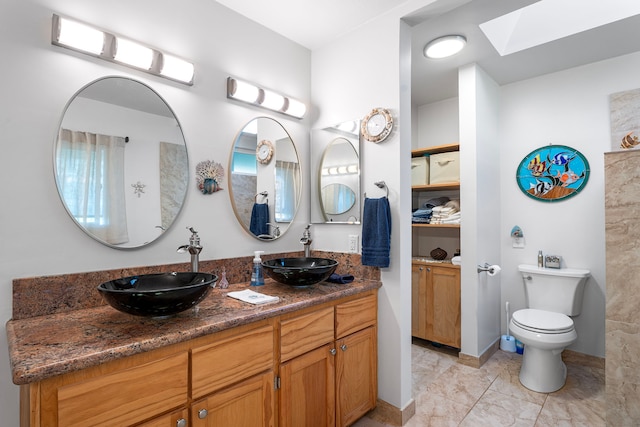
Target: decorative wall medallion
(553, 173)
(377, 125)
(264, 151)
(209, 176)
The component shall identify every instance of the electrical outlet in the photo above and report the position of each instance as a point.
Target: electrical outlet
(353, 243)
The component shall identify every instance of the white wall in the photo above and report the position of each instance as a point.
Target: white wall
(349, 78)
(38, 238)
(479, 206)
(570, 108)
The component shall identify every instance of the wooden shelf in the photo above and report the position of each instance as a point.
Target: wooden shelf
(418, 225)
(435, 187)
(435, 149)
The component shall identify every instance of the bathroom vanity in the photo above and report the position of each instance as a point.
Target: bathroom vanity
(308, 359)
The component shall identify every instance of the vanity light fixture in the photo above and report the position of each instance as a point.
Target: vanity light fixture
(247, 92)
(445, 46)
(83, 38)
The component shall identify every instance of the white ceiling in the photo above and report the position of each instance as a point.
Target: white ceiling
(311, 23)
(315, 23)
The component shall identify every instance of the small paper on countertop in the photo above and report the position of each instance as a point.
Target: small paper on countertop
(252, 297)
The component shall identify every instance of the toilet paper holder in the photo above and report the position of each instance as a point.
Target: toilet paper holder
(491, 269)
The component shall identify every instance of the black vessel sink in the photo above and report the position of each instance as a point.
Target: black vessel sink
(300, 271)
(157, 295)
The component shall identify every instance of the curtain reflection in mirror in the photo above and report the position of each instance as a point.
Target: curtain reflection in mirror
(287, 190)
(91, 179)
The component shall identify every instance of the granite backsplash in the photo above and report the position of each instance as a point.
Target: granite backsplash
(44, 295)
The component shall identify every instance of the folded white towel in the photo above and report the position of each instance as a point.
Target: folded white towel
(456, 260)
(252, 297)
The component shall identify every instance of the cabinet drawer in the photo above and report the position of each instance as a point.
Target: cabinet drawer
(306, 332)
(355, 315)
(231, 360)
(125, 397)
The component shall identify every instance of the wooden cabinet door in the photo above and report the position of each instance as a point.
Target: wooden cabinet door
(120, 398)
(419, 301)
(356, 375)
(247, 404)
(179, 418)
(443, 296)
(307, 395)
(230, 360)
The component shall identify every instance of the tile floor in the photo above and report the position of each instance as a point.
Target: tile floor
(451, 394)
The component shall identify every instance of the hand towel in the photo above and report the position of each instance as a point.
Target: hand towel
(259, 219)
(252, 297)
(340, 278)
(376, 232)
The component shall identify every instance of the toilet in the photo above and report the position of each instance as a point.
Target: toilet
(545, 328)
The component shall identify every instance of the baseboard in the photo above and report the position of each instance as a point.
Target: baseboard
(478, 361)
(387, 413)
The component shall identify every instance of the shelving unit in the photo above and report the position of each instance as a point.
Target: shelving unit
(435, 305)
(436, 187)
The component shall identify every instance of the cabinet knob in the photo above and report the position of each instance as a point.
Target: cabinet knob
(429, 269)
(202, 414)
(332, 352)
(420, 268)
(343, 347)
(181, 423)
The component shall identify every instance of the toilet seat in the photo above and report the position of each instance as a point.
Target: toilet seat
(542, 321)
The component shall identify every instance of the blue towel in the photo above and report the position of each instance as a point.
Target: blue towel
(376, 232)
(340, 278)
(259, 219)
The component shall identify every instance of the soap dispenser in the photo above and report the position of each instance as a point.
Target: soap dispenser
(257, 276)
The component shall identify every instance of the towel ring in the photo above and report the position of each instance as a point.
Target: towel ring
(380, 184)
(263, 194)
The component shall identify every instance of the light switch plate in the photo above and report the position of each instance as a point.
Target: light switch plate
(353, 243)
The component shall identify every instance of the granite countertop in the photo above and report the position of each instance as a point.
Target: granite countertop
(48, 345)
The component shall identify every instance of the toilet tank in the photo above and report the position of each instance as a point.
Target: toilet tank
(554, 289)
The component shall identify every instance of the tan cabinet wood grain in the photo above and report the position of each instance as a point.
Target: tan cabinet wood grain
(179, 418)
(435, 303)
(249, 403)
(127, 396)
(355, 315)
(308, 389)
(230, 360)
(356, 376)
(306, 332)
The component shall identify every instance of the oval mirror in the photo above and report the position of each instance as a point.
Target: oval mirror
(338, 176)
(265, 178)
(120, 162)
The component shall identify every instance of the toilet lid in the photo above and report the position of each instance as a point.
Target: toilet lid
(542, 321)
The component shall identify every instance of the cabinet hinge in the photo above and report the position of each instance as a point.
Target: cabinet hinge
(276, 383)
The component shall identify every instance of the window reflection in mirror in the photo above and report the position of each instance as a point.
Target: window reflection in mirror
(335, 181)
(265, 194)
(121, 164)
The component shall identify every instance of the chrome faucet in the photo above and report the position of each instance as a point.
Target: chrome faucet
(193, 248)
(306, 241)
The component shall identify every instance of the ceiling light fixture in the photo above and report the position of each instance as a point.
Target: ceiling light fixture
(83, 38)
(265, 98)
(445, 46)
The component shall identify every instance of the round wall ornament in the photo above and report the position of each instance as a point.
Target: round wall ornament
(377, 125)
(553, 173)
(264, 151)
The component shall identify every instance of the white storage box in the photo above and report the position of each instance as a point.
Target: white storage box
(420, 170)
(444, 167)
